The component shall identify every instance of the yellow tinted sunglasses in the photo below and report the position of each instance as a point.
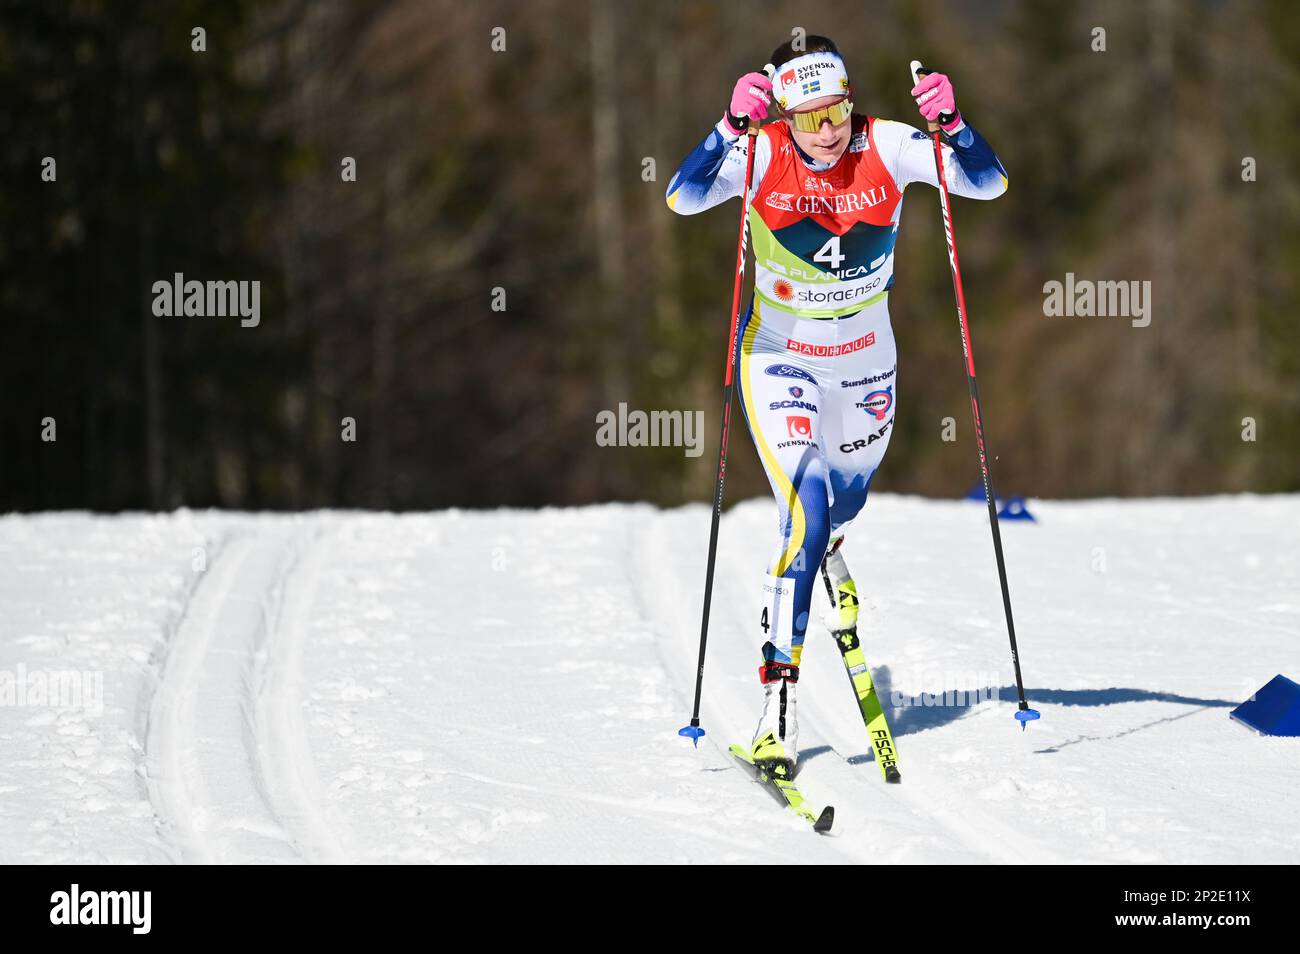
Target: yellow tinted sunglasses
(812, 120)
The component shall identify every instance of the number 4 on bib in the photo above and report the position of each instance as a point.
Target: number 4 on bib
(830, 253)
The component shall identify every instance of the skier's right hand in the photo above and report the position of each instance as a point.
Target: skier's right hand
(749, 100)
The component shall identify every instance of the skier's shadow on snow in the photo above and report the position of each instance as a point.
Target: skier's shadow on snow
(914, 715)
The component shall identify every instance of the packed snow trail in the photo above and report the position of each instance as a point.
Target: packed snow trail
(836, 767)
(489, 688)
(506, 687)
(1152, 688)
(226, 762)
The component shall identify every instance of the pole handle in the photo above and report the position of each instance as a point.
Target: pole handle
(769, 71)
(942, 119)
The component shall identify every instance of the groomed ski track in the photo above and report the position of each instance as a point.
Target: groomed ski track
(506, 687)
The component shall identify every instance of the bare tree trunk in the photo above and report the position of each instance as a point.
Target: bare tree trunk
(383, 345)
(668, 355)
(1246, 365)
(607, 209)
(663, 234)
(150, 360)
(1159, 378)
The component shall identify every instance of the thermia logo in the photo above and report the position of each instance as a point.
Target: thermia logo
(102, 907)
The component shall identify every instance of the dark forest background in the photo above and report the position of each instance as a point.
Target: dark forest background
(522, 170)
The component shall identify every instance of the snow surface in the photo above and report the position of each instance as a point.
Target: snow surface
(506, 687)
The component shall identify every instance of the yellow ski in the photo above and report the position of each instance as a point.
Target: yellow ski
(873, 714)
(775, 776)
(844, 598)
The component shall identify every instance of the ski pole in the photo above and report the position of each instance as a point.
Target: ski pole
(693, 731)
(1024, 714)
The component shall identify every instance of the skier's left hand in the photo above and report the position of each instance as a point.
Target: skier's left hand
(934, 95)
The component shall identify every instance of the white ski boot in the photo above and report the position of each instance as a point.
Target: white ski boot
(776, 737)
(841, 589)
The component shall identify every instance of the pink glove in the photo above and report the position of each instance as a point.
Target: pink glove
(934, 95)
(749, 100)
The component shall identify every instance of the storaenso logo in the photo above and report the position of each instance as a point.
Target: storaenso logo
(653, 429)
(102, 907)
(194, 299)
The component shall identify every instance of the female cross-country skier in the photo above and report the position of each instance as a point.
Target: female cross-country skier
(816, 363)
